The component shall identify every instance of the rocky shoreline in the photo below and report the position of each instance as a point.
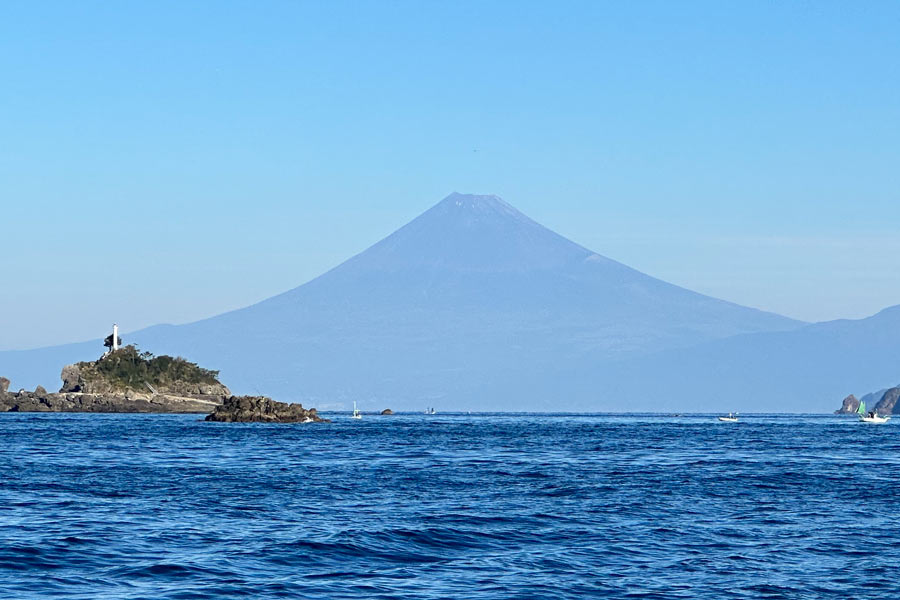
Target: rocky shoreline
(76, 400)
(37, 401)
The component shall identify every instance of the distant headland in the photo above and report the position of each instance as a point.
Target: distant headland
(885, 402)
(126, 380)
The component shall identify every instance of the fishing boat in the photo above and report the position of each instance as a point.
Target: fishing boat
(729, 418)
(356, 413)
(871, 416)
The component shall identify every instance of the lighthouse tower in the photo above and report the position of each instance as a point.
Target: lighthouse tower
(115, 344)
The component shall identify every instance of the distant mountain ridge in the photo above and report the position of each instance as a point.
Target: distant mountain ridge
(801, 370)
(458, 308)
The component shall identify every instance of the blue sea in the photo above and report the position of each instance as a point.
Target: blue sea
(448, 506)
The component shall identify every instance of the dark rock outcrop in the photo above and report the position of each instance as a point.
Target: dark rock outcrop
(71, 378)
(387, 411)
(850, 404)
(259, 409)
(888, 402)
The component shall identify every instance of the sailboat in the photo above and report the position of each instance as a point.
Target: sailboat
(356, 413)
(869, 417)
(730, 418)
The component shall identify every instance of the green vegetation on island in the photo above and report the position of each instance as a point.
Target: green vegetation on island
(129, 368)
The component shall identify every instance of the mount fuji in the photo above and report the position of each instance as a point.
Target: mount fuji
(472, 305)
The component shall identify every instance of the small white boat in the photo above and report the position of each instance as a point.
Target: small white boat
(871, 416)
(874, 419)
(356, 413)
(730, 418)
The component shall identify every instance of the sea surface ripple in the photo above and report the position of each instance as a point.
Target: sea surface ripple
(448, 506)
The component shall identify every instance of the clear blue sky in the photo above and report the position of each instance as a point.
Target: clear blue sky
(166, 161)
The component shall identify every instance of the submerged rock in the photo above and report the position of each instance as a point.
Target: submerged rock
(260, 409)
(850, 404)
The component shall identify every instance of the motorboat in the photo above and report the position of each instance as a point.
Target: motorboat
(870, 416)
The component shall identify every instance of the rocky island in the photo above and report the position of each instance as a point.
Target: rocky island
(126, 380)
(848, 406)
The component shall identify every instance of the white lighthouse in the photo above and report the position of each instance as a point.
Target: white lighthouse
(115, 344)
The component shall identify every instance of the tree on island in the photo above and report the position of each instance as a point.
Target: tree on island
(108, 342)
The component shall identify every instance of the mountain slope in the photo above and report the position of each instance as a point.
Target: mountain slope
(803, 370)
(470, 295)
